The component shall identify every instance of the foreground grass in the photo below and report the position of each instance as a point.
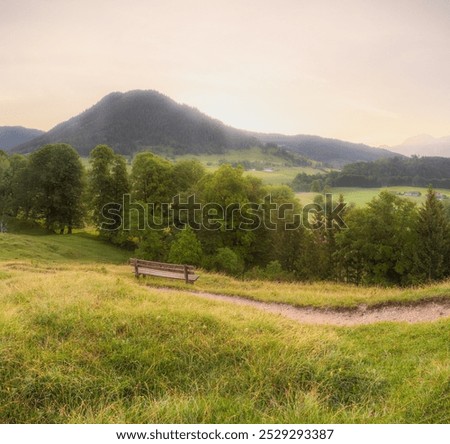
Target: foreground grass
(81, 341)
(86, 343)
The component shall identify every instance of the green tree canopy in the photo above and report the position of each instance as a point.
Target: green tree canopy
(186, 174)
(152, 179)
(5, 173)
(108, 183)
(186, 249)
(56, 177)
(434, 237)
(225, 191)
(21, 188)
(379, 245)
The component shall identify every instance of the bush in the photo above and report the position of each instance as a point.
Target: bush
(228, 261)
(152, 247)
(186, 249)
(272, 272)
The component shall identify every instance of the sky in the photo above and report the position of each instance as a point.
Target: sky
(370, 71)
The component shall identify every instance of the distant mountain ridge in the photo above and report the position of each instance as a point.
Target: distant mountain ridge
(337, 152)
(147, 120)
(424, 145)
(11, 136)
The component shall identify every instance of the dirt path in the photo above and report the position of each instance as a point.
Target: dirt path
(422, 312)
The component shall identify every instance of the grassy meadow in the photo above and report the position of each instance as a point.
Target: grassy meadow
(82, 341)
(360, 196)
(281, 175)
(40, 248)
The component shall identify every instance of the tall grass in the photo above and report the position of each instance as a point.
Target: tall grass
(81, 341)
(318, 294)
(86, 343)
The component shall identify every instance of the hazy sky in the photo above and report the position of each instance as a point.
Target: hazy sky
(372, 71)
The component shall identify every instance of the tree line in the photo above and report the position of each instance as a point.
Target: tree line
(396, 171)
(391, 241)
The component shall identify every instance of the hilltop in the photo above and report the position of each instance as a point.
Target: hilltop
(139, 120)
(147, 120)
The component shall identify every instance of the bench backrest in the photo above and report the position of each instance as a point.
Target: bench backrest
(162, 266)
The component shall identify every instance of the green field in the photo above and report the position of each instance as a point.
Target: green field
(254, 154)
(79, 248)
(281, 176)
(360, 196)
(273, 170)
(82, 341)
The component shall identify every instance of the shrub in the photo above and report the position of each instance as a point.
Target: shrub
(186, 249)
(272, 272)
(228, 261)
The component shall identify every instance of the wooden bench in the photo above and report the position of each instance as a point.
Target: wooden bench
(160, 269)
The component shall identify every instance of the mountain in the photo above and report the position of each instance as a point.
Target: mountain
(424, 145)
(11, 136)
(332, 151)
(140, 120)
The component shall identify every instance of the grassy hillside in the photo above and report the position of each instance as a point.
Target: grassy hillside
(44, 248)
(29, 251)
(83, 341)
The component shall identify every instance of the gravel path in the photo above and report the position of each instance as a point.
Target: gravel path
(418, 312)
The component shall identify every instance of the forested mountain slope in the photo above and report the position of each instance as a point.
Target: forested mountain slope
(147, 120)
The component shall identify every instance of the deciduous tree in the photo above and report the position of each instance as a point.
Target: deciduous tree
(56, 177)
